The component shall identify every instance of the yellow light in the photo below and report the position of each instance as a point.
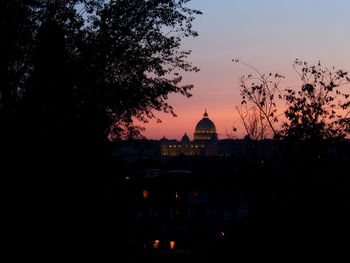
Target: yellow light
(156, 243)
(172, 244)
(222, 234)
(177, 195)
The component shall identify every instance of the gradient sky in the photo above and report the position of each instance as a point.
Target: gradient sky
(268, 34)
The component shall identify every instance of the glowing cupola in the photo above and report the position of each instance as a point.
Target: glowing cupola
(205, 129)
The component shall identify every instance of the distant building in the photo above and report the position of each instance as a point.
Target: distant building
(205, 130)
(205, 141)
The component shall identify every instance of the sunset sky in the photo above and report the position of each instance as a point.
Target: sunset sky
(268, 34)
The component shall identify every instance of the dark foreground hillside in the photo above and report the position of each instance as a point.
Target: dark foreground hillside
(207, 209)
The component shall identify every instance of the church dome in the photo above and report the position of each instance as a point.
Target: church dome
(205, 129)
(185, 138)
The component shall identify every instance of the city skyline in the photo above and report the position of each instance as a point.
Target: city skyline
(265, 34)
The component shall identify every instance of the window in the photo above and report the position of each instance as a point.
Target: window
(156, 243)
(172, 244)
(145, 194)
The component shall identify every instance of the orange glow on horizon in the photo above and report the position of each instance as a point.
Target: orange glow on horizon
(175, 127)
(269, 45)
(219, 93)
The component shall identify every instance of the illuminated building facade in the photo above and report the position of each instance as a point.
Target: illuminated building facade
(204, 141)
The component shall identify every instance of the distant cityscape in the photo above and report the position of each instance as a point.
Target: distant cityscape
(206, 143)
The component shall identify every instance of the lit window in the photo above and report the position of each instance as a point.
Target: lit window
(172, 244)
(156, 244)
(177, 195)
(145, 194)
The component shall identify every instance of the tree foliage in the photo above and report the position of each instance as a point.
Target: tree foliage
(258, 109)
(124, 57)
(319, 109)
(69, 70)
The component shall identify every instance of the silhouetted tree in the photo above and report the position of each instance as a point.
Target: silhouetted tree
(319, 109)
(71, 70)
(16, 47)
(258, 110)
(124, 56)
(16, 25)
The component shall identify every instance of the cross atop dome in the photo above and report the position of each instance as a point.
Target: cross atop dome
(205, 115)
